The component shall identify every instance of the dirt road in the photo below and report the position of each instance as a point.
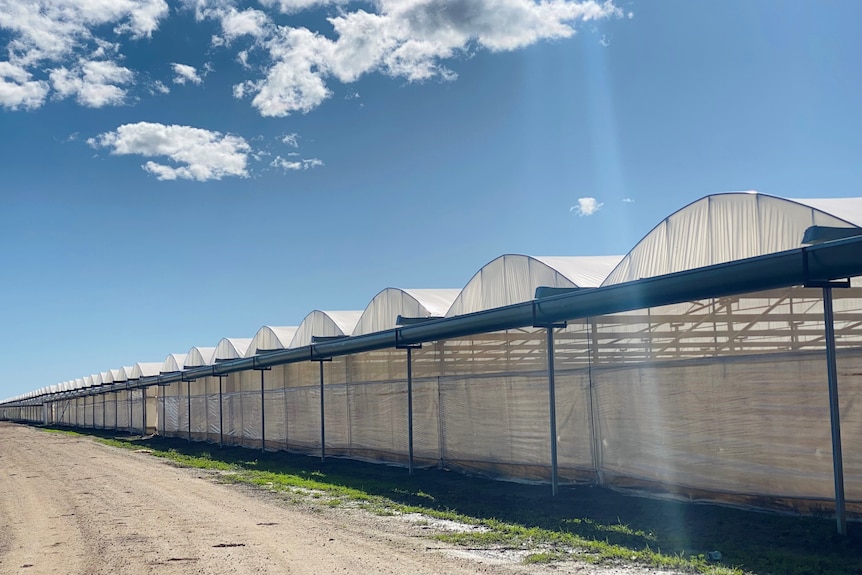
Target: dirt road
(72, 506)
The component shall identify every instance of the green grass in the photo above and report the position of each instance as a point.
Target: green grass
(590, 523)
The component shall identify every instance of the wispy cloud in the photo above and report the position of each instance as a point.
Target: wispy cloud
(291, 140)
(628, 201)
(184, 73)
(66, 41)
(18, 89)
(586, 206)
(295, 165)
(197, 154)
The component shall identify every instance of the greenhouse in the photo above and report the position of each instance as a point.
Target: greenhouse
(696, 366)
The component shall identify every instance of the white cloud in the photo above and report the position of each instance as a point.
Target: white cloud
(159, 87)
(295, 165)
(291, 140)
(93, 83)
(292, 66)
(586, 206)
(404, 38)
(294, 6)
(628, 201)
(18, 90)
(66, 41)
(200, 154)
(250, 22)
(184, 73)
(51, 30)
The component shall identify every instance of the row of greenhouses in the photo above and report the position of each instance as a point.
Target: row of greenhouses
(697, 366)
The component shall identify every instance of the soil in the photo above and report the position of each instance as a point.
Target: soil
(70, 505)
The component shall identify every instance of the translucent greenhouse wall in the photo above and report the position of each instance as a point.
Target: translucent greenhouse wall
(722, 400)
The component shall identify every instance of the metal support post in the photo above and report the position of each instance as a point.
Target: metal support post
(220, 413)
(189, 405)
(553, 409)
(262, 410)
(164, 394)
(832, 374)
(322, 419)
(410, 411)
(104, 410)
(94, 412)
(143, 411)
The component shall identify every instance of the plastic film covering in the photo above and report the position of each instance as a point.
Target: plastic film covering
(231, 348)
(269, 338)
(513, 278)
(325, 324)
(726, 227)
(173, 363)
(198, 356)
(383, 311)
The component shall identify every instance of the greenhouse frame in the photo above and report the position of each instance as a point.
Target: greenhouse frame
(702, 365)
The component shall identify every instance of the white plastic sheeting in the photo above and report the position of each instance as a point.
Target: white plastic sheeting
(269, 338)
(231, 348)
(325, 324)
(173, 363)
(147, 369)
(726, 227)
(513, 278)
(382, 312)
(198, 356)
(719, 399)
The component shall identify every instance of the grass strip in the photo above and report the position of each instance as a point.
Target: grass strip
(591, 524)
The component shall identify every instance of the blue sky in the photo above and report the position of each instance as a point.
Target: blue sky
(177, 173)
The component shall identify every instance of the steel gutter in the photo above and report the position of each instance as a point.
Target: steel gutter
(822, 262)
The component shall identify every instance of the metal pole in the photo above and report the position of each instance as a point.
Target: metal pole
(220, 413)
(189, 402)
(262, 414)
(143, 411)
(322, 420)
(164, 410)
(131, 417)
(553, 407)
(104, 410)
(94, 412)
(410, 411)
(116, 410)
(832, 372)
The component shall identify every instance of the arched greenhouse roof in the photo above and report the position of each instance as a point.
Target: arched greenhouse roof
(730, 226)
(269, 338)
(231, 348)
(125, 374)
(513, 278)
(198, 356)
(382, 312)
(323, 324)
(145, 369)
(173, 363)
